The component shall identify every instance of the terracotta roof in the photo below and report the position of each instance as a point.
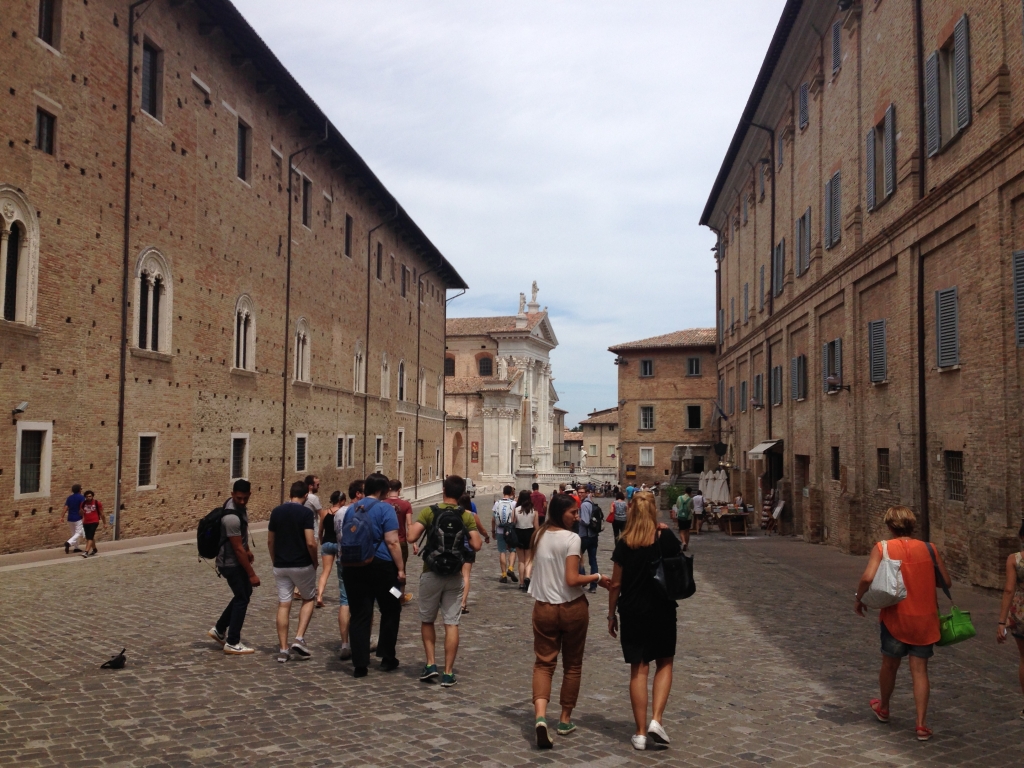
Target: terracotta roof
(607, 416)
(481, 326)
(572, 437)
(691, 337)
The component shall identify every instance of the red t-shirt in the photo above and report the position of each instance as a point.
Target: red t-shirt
(540, 503)
(402, 508)
(91, 511)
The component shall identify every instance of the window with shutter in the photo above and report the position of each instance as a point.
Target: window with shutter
(732, 400)
(869, 166)
(721, 325)
(760, 301)
(832, 364)
(947, 327)
(931, 105)
(777, 385)
(837, 54)
(798, 239)
(745, 209)
(801, 377)
(779, 268)
(824, 367)
(743, 397)
(794, 379)
(746, 302)
(1018, 295)
(877, 351)
(835, 213)
(759, 390)
(732, 315)
(804, 112)
(838, 355)
(889, 150)
(962, 73)
(828, 217)
(807, 239)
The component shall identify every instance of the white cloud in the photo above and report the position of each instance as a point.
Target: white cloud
(572, 143)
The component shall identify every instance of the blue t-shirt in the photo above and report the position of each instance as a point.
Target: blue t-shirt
(383, 518)
(630, 490)
(74, 505)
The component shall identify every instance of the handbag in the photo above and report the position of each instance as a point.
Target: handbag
(887, 588)
(674, 576)
(955, 626)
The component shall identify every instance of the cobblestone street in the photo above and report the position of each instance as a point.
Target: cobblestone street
(773, 668)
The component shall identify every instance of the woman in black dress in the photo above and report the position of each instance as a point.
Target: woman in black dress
(648, 615)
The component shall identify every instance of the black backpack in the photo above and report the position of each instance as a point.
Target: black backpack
(596, 524)
(443, 553)
(208, 533)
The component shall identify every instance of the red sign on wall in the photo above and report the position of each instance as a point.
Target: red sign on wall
(474, 452)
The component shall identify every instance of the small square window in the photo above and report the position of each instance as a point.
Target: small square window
(147, 465)
(646, 368)
(693, 366)
(46, 127)
(646, 457)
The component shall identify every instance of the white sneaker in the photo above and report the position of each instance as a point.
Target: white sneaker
(346, 652)
(657, 733)
(237, 650)
(639, 742)
(217, 635)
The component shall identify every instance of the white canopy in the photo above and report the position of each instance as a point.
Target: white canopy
(758, 451)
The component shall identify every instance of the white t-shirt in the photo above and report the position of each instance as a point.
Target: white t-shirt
(339, 518)
(525, 519)
(698, 504)
(547, 582)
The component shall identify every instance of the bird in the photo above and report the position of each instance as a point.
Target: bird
(116, 662)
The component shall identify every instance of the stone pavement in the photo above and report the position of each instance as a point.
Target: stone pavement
(773, 668)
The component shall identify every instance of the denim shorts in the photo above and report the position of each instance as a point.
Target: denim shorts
(329, 548)
(895, 649)
(503, 547)
(342, 594)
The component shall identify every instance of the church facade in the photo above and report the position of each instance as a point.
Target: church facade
(499, 396)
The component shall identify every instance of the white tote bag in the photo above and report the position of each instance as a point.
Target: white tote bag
(887, 588)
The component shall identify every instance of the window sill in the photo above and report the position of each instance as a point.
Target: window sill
(154, 118)
(833, 392)
(146, 487)
(244, 372)
(21, 329)
(801, 399)
(882, 383)
(302, 384)
(47, 46)
(949, 368)
(244, 181)
(149, 354)
(38, 494)
(884, 490)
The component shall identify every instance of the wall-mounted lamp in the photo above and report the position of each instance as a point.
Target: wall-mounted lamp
(22, 406)
(620, 360)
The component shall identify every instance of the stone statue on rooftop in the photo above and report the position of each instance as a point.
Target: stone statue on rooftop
(502, 369)
(533, 298)
(522, 303)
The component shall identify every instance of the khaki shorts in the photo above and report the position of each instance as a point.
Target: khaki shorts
(289, 579)
(442, 593)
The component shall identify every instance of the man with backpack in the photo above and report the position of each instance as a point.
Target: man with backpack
(684, 516)
(503, 529)
(371, 560)
(447, 526)
(591, 523)
(234, 563)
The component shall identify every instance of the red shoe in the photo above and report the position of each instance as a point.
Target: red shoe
(881, 714)
(923, 734)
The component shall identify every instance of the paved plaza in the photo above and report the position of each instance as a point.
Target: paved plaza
(773, 668)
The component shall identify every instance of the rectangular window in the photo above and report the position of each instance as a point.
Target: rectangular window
(46, 127)
(880, 160)
(947, 327)
(760, 300)
(646, 457)
(33, 447)
(307, 201)
(732, 400)
(832, 365)
(759, 390)
(380, 261)
(803, 250)
(348, 235)
(947, 89)
(243, 151)
(743, 396)
(745, 206)
(693, 366)
(49, 22)
(300, 453)
(778, 267)
(593, 450)
(837, 52)
(732, 315)
(803, 108)
(760, 181)
(646, 417)
(883, 469)
(340, 458)
(276, 164)
(378, 451)
(328, 205)
(955, 490)
(798, 377)
(776, 385)
(239, 456)
(147, 456)
(1018, 296)
(401, 443)
(152, 64)
(350, 453)
(877, 351)
(721, 326)
(646, 369)
(836, 469)
(833, 211)
(694, 419)
(405, 280)
(746, 303)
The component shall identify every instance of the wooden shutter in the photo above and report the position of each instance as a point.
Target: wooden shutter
(794, 378)
(837, 208)
(804, 116)
(870, 167)
(807, 239)
(931, 105)
(839, 359)
(947, 330)
(889, 148)
(824, 366)
(828, 217)
(1018, 295)
(962, 73)
(837, 54)
(877, 350)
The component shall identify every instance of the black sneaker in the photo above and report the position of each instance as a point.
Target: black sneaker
(389, 665)
(526, 584)
(360, 672)
(515, 579)
(503, 580)
(67, 548)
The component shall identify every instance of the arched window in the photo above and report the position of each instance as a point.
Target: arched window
(401, 380)
(19, 257)
(385, 377)
(301, 350)
(154, 295)
(486, 366)
(449, 366)
(358, 369)
(245, 334)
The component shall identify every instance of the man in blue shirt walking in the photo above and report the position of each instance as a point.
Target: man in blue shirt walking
(73, 514)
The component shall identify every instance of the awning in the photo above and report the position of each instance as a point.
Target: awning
(758, 451)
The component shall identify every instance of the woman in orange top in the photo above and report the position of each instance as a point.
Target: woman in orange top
(911, 626)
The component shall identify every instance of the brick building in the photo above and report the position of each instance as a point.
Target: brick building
(870, 274)
(148, 236)
(601, 442)
(666, 395)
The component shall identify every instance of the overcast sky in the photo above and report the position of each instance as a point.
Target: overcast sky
(571, 143)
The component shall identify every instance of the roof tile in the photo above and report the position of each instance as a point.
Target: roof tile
(691, 337)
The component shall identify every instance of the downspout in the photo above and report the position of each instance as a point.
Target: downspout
(287, 313)
(366, 351)
(125, 267)
(921, 154)
(922, 404)
(771, 281)
(420, 384)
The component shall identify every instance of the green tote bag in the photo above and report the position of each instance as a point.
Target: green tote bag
(955, 626)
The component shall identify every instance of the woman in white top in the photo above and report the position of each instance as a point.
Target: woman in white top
(526, 521)
(561, 613)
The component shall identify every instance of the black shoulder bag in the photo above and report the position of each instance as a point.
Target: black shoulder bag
(673, 575)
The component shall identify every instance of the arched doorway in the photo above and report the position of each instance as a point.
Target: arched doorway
(457, 454)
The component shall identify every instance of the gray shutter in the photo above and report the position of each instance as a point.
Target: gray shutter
(1018, 295)
(782, 267)
(807, 239)
(721, 325)
(869, 164)
(962, 73)
(877, 350)
(824, 366)
(798, 226)
(794, 379)
(828, 217)
(746, 302)
(947, 327)
(837, 54)
(837, 208)
(804, 116)
(743, 396)
(760, 301)
(839, 360)
(889, 147)
(931, 104)
(801, 376)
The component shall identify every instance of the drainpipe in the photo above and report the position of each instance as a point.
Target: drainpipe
(922, 404)
(125, 266)
(921, 153)
(419, 384)
(771, 281)
(287, 313)
(366, 352)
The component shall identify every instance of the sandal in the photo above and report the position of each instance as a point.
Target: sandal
(881, 714)
(923, 733)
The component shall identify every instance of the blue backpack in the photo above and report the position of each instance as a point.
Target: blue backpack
(358, 541)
